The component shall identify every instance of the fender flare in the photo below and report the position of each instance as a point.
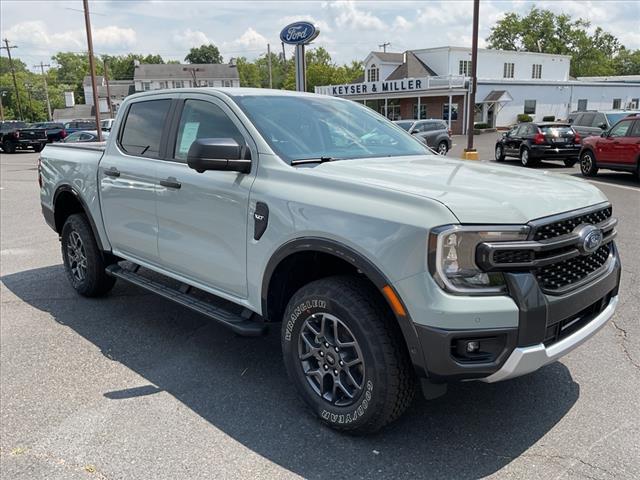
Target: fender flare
(363, 264)
(69, 189)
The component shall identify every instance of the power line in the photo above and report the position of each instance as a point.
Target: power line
(13, 73)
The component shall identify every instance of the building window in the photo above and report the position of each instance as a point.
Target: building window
(582, 105)
(536, 70)
(178, 84)
(423, 111)
(226, 83)
(530, 107)
(454, 111)
(508, 70)
(635, 104)
(616, 103)
(210, 83)
(146, 86)
(373, 74)
(163, 85)
(464, 67)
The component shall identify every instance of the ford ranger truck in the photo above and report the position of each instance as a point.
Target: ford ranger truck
(387, 267)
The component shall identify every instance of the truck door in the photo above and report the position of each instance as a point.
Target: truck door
(202, 217)
(127, 178)
(610, 147)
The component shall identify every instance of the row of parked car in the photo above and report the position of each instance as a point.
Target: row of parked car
(597, 140)
(16, 135)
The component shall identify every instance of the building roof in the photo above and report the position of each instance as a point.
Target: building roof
(612, 78)
(170, 71)
(497, 96)
(389, 57)
(77, 111)
(413, 67)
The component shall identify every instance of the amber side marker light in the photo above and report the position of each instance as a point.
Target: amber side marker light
(396, 304)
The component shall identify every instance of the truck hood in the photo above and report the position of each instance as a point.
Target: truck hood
(475, 192)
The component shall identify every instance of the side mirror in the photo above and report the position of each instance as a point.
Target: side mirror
(603, 126)
(603, 134)
(504, 134)
(219, 154)
(413, 132)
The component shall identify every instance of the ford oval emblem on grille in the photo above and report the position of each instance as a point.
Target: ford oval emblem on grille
(590, 239)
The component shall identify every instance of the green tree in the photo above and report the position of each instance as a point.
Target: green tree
(122, 67)
(6, 68)
(204, 54)
(249, 73)
(71, 68)
(627, 62)
(544, 31)
(321, 70)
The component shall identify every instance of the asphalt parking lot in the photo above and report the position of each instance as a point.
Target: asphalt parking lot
(133, 387)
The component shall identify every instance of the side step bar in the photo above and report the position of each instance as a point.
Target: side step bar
(236, 322)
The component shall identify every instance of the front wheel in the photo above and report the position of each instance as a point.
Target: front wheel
(588, 166)
(443, 148)
(83, 261)
(8, 146)
(499, 153)
(344, 353)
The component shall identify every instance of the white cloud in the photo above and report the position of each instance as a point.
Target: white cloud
(190, 38)
(321, 24)
(250, 44)
(348, 15)
(35, 36)
(401, 24)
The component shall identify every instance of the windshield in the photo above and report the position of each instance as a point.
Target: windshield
(299, 128)
(614, 117)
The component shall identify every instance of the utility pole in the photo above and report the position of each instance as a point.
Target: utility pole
(92, 66)
(384, 46)
(1, 107)
(106, 79)
(46, 88)
(269, 58)
(470, 153)
(13, 73)
(28, 87)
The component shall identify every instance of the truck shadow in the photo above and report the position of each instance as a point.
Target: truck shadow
(239, 386)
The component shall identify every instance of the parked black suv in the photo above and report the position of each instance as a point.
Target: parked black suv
(19, 136)
(532, 142)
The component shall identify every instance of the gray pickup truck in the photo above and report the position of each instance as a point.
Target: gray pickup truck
(388, 267)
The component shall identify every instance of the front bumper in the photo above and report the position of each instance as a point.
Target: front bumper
(548, 327)
(525, 360)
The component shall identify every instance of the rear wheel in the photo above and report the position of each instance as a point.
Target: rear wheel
(344, 353)
(588, 165)
(8, 146)
(443, 148)
(38, 148)
(499, 153)
(83, 261)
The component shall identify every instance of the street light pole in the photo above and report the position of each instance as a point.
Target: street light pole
(92, 66)
(470, 153)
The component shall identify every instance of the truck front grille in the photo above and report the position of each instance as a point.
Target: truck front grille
(566, 226)
(567, 272)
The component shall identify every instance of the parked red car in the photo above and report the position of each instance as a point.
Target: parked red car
(616, 149)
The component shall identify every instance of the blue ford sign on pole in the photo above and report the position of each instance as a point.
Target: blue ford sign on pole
(299, 34)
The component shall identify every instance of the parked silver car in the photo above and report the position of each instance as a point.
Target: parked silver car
(435, 133)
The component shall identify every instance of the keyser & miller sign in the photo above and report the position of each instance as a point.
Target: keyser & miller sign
(389, 86)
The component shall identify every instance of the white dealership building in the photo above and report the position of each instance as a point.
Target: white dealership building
(434, 83)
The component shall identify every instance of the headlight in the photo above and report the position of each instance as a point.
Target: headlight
(452, 257)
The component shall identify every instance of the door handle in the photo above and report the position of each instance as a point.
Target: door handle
(170, 183)
(112, 172)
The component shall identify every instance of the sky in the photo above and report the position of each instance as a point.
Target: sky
(349, 29)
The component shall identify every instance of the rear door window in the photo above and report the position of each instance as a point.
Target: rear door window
(598, 120)
(586, 120)
(142, 132)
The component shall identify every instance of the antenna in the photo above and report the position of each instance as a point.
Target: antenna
(384, 46)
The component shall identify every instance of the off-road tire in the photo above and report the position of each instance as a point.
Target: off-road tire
(443, 148)
(499, 153)
(78, 236)
(388, 382)
(588, 165)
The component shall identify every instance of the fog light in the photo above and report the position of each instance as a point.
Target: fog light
(473, 347)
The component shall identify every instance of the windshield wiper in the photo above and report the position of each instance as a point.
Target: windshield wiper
(313, 160)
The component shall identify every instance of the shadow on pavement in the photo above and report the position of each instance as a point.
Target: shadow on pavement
(614, 178)
(239, 386)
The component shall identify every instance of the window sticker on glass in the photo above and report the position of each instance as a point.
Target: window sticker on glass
(189, 135)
